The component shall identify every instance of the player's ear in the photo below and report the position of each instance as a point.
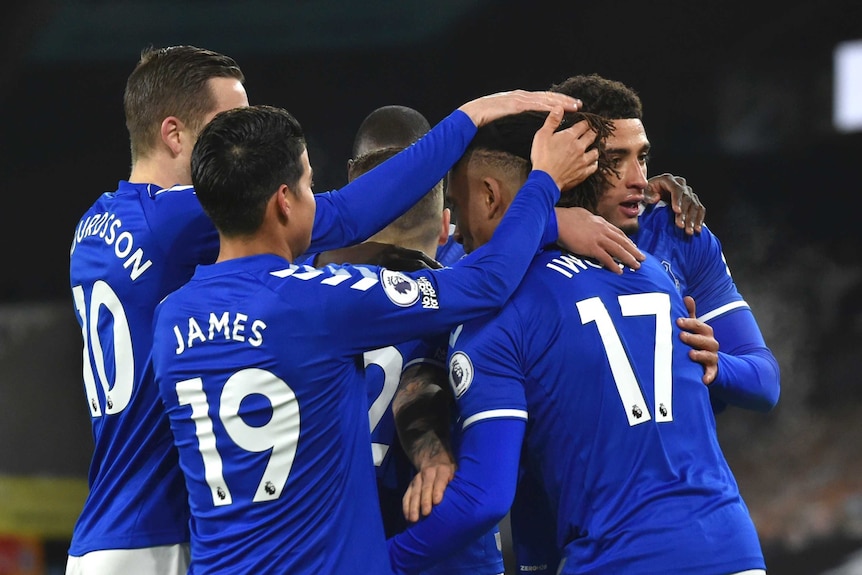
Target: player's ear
(444, 227)
(174, 135)
(282, 200)
(494, 199)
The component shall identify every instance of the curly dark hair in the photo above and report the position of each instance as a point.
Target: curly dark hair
(599, 95)
(508, 141)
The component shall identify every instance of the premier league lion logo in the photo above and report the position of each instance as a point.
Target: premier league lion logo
(460, 373)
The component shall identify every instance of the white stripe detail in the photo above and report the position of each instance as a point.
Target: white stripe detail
(364, 284)
(338, 276)
(494, 414)
(171, 189)
(309, 274)
(751, 572)
(365, 272)
(722, 310)
(285, 272)
(453, 337)
(378, 452)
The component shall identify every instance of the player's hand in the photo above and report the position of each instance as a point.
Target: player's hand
(489, 108)
(585, 233)
(379, 254)
(699, 335)
(565, 155)
(426, 490)
(689, 210)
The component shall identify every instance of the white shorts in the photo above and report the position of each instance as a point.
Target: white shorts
(163, 560)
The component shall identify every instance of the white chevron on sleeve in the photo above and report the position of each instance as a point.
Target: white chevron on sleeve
(285, 272)
(335, 276)
(338, 276)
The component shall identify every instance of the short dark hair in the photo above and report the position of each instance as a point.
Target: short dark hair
(240, 159)
(609, 98)
(171, 81)
(507, 142)
(390, 126)
(423, 218)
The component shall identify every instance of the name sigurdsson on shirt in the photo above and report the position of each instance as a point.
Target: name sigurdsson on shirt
(106, 226)
(227, 326)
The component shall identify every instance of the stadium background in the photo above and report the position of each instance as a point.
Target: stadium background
(738, 99)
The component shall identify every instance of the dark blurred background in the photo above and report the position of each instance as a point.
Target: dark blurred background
(739, 98)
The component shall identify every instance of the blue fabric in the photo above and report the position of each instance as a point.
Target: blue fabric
(133, 247)
(626, 456)
(256, 363)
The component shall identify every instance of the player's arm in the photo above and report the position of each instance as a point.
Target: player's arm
(422, 409)
(478, 497)
(748, 375)
(370, 202)
(481, 282)
(745, 374)
(673, 190)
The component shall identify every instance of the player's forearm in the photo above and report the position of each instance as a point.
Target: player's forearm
(477, 498)
(748, 373)
(422, 414)
(750, 381)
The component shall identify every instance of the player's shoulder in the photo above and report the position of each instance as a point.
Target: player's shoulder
(541, 287)
(557, 263)
(175, 195)
(335, 283)
(657, 212)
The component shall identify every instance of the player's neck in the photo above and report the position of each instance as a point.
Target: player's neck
(254, 245)
(161, 173)
(428, 247)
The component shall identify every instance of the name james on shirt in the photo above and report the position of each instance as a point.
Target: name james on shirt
(227, 326)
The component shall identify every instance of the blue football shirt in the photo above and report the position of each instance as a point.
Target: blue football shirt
(259, 365)
(697, 267)
(134, 246)
(619, 431)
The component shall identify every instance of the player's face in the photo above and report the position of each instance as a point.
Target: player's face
(628, 149)
(467, 198)
(303, 208)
